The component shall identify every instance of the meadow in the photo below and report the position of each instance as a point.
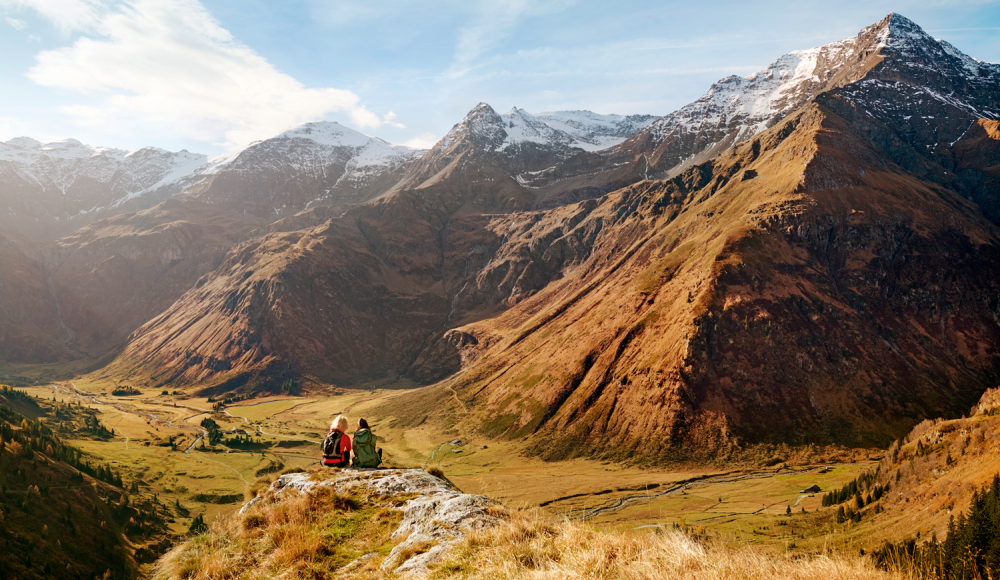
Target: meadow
(157, 444)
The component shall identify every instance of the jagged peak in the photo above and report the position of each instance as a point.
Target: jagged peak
(901, 26)
(894, 31)
(479, 111)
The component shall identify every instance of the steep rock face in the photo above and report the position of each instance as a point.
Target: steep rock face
(800, 288)
(53, 188)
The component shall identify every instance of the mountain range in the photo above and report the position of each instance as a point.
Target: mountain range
(805, 254)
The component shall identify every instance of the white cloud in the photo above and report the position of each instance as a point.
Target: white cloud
(67, 15)
(390, 119)
(17, 24)
(169, 63)
(422, 141)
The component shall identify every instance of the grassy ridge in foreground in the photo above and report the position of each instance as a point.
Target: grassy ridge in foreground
(323, 534)
(530, 546)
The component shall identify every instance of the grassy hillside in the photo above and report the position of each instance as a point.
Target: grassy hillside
(64, 513)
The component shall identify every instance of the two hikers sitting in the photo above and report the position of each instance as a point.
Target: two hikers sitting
(337, 446)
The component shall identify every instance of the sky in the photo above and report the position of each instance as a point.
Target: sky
(211, 75)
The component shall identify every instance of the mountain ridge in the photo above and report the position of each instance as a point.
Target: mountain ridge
(499, 258)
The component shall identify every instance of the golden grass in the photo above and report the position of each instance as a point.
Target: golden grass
(327, 535)
(309, 535)
(530, 546)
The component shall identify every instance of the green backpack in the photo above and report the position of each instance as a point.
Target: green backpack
(365, 454)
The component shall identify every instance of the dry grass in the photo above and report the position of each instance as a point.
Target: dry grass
(327, 535)
(531, 546)
(300, 536)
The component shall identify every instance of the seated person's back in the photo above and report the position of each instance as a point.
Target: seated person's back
(365, 453)
(337, 445)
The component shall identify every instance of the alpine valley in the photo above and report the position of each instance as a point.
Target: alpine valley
(795, 269)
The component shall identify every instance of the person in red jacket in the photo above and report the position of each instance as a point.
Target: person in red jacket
(337, 445)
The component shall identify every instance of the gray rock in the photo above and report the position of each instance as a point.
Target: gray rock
(435, 521)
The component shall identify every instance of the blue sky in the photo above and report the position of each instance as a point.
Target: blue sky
(212, 74)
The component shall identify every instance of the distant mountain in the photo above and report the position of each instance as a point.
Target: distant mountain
(48, 190)
(312, 165)
(580, 129)
(52, 188)
(803, 254)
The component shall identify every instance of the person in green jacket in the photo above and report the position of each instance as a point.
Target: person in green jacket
(365, 453)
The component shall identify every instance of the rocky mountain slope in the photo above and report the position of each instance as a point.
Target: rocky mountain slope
(903, 70)
(765, 296)
(125, 260)
(30, 325)
(928, 477)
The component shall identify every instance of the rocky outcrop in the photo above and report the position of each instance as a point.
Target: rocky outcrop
(436, 515)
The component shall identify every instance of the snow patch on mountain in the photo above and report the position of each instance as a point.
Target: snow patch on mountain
(579, 129)
(309, 143)
(757, 100)
(594, 131)
(63, 165)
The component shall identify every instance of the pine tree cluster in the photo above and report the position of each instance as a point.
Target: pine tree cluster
(971, 550)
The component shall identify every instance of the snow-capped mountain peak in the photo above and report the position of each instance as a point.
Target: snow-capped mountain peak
(328, 133)
(736, 108)
(579, 129)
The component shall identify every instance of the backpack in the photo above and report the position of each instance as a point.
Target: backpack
(365, 454)
(331, 445)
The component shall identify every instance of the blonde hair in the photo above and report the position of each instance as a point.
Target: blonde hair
(339, 423)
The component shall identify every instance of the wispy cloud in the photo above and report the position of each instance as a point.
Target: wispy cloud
(390, 119)
(168, 62)
(67, 15)
(491, 24)
(17, 24)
